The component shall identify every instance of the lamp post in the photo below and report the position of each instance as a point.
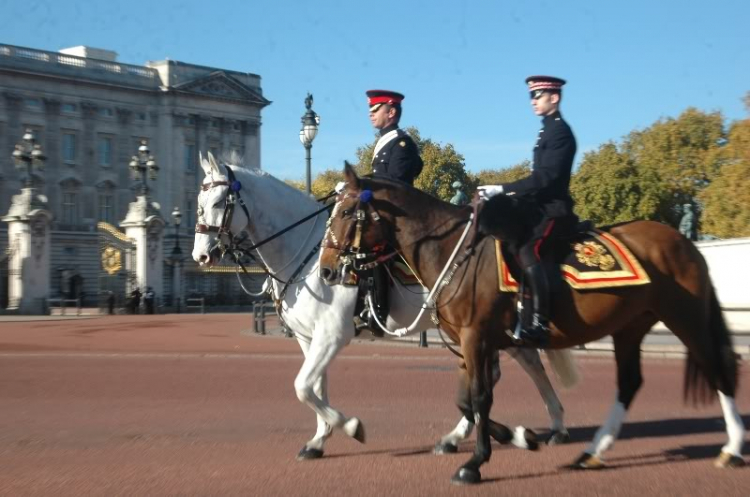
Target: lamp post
(177, 258)
(28, 156)
(310, 121)
(142, 163)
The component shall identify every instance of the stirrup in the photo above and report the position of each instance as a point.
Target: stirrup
(536, 335)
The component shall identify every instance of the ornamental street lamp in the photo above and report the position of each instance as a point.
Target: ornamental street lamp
(28, 156)
(141, 163)
(177, 258)
(307, 134)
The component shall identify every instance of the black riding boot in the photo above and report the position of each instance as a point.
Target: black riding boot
(537, 332)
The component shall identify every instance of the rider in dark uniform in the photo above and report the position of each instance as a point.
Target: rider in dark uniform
(396, 157)
(547, 188)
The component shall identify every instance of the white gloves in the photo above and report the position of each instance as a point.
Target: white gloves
(487, 191)
(340, 186)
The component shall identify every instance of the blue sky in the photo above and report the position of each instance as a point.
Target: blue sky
(461, 64)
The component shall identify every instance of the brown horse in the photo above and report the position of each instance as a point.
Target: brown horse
(375, 217)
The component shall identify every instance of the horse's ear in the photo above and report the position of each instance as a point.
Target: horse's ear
(350, 175)
(213, 164)
(204, 164)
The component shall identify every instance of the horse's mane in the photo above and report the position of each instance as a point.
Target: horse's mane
(424, 199)
(263, 176)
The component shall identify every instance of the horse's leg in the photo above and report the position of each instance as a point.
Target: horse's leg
(323, 349)
(711, 360)
(448, 444)
(478, 378)
(627, 345)
(531, 363)
(313, 449)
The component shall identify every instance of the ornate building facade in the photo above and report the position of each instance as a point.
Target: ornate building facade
(89, 113)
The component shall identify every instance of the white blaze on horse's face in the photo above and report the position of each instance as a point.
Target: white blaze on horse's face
(211, 203)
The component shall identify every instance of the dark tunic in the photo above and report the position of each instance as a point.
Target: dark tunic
(398, 159)
(549, 182)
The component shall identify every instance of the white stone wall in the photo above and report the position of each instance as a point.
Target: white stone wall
(729, 265)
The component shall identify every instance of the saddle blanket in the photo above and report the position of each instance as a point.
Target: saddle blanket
(595, 260)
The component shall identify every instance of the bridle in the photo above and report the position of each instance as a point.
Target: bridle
(233, 247)
(230, 202)
(350, 249)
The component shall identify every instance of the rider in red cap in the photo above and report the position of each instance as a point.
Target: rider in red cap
(396, 156)
(548, 190)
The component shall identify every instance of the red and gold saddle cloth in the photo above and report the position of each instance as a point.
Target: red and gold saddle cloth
(595, 260)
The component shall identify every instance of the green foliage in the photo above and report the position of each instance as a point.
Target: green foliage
(498, 176)
(682, 155)
(726, 201)
(609, 188)
(326, 181)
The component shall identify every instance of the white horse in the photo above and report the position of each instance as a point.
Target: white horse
(321, 315)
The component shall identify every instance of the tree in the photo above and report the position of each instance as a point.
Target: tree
(682, 155)
(498, 176)
(609, 188)
(325, 182)
(726, 201)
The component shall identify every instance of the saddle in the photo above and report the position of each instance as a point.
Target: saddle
(586, 260)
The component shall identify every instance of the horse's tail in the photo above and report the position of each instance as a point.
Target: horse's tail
(718, 370)
(564, 366)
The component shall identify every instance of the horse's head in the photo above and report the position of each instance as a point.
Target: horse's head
(216, 222)
(357, 234)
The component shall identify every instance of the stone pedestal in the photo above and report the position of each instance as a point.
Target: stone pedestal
(144, 225)
(29, 245)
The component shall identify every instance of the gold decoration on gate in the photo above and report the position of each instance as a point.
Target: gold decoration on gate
(593, 254)
(111, 260)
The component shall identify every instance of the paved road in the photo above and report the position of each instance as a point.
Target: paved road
(195, 405)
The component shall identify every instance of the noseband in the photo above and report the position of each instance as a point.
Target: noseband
(232, 199)
(350, 250)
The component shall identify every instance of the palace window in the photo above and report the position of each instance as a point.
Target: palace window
(69, 214)
(190, 160)
(106, 208)
(106, 112)
(69, 148)
(105, 151)
(69, 108)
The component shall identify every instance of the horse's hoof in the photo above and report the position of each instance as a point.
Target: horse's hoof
(355, 429)
(727, 460)
(588, 461)
(523, 438)
(558, 438)
(445, 448)
(466, 476)
(307, 453)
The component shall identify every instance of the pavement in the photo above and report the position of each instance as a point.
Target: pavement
(660, 342)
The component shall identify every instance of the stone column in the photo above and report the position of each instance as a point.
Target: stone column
(145, 226)
(29, 240)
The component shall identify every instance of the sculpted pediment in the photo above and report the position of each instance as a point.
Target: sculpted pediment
(220, 85)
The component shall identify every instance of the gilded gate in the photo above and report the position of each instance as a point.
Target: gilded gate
(117, 271)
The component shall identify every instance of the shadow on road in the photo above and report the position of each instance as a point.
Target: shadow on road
(656, 429)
